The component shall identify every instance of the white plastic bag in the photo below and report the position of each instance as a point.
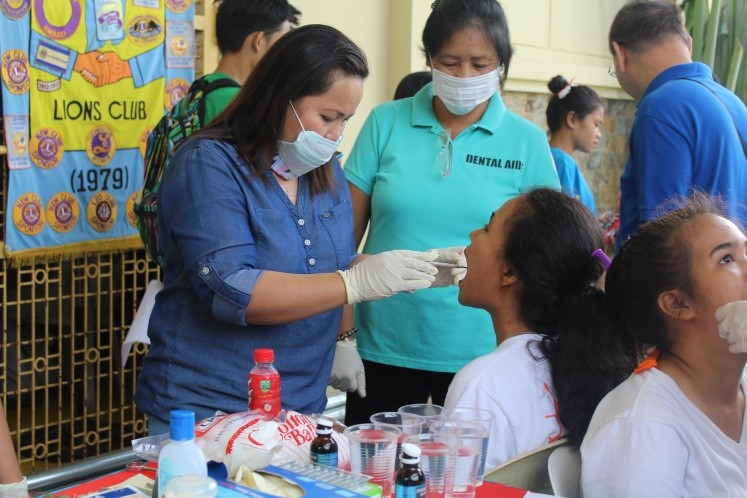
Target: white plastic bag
(236, 439)
(250, 439)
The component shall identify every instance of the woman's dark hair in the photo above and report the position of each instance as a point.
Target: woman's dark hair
(450, 16)
(411, 84)
(549, 241)
(653, 260)
(580, 100)
(304, 62)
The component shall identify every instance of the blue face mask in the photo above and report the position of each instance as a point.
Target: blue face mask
(308, 152)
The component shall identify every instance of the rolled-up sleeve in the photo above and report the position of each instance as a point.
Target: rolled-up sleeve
(205, 228)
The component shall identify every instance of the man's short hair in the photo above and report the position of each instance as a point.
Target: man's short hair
(237, 19)
(641, 23)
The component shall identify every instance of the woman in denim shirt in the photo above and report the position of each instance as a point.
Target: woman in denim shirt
(256, 222)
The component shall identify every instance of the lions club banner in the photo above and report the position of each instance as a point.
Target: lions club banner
(83, 84)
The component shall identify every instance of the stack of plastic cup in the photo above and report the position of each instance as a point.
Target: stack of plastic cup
(482, 417)
(437, 461)
(408, 423)
(373, 451)
(432, 413)
(469, 438)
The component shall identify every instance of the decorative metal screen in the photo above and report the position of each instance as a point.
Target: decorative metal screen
(66, 394)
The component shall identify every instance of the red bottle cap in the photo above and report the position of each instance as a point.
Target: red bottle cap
(264, 355)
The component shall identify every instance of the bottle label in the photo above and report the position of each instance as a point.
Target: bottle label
(269, 405)
(264, 392)
(167, 470)
(402, 491)
(329, 459)
(264, 382)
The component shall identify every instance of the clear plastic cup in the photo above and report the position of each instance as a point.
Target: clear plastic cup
(433, 413)
(437, 461)
(469, 437)
(373, 451)
(408, 423)
(484, 418)
(191, 487)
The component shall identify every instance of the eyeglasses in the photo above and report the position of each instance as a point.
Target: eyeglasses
(611, 72)
(445, 153)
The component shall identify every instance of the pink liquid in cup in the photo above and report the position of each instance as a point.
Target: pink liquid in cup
(373, 452)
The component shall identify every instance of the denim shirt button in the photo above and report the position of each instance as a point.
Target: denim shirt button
(307, 242)
(301, 222)
(204, 270)
(312, 261)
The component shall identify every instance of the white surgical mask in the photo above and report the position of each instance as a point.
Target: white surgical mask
(308, 152)
(461, 95)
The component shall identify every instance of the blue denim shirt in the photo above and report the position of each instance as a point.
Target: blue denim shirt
(221, 226)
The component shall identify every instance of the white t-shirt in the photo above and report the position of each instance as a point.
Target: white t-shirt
(647, 438)
(517, 388)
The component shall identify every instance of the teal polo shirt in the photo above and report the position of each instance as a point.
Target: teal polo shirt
(413, 206)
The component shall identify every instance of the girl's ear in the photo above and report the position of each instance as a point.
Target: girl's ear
(571, 120)
(676, 305)
(508, 276)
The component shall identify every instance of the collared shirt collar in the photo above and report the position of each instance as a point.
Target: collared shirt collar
(424, 115)
(695, 70)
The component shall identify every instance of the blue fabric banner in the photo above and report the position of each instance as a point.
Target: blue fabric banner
(83, 84)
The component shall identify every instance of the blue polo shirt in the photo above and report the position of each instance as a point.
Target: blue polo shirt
(572, 181)
(221, 227)
(683, 137)
(413, 206)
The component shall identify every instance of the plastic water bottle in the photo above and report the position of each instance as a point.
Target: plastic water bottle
(410, 481)
(323, 448)
(264, 383)
(181, 456)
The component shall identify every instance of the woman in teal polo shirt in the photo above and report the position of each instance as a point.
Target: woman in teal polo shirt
(424, 172)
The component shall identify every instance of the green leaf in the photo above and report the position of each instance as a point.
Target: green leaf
(734, 66)
(711, 37)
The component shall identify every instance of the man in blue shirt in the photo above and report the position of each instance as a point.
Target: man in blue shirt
(688, 131)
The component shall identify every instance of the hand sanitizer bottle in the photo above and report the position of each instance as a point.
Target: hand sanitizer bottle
(181, 456)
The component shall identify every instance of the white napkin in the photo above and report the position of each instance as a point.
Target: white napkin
(139, 328)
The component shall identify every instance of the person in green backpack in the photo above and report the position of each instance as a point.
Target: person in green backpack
(245, 30)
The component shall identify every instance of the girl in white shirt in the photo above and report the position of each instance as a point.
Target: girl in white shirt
(531, 267)
(677, 426)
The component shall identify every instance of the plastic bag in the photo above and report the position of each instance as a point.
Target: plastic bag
(250, 439)
(297, 431)
(236, 439)
(149, 447)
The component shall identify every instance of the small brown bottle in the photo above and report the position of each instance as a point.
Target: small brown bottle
(323, 448)
(410, 481)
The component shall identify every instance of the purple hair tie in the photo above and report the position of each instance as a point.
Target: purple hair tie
(601, 256)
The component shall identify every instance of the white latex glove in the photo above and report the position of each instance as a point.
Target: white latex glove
(387, 273)
(15, 490)
(732, 326)
(449, 276)
(348, 373)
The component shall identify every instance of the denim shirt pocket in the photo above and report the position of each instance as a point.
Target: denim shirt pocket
(227, 301)
(276, 239)
(338, 222)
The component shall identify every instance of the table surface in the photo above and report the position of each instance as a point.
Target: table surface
(487, 490)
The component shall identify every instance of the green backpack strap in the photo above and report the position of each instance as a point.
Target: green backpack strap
(205, 87)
